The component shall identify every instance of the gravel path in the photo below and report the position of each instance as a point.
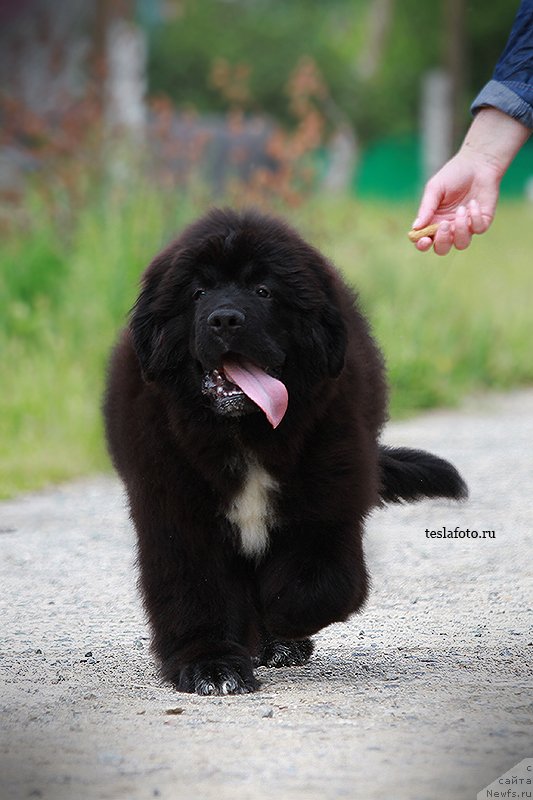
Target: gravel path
(426, 694)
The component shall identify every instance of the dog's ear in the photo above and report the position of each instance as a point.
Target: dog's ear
(158, 320)
(148, 315)
(335, 339)
(144, 328)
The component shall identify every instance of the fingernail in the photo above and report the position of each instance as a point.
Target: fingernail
(416, 223)
(462, 211)
(444, 226)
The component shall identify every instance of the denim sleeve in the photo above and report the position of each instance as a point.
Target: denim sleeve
(511, 87)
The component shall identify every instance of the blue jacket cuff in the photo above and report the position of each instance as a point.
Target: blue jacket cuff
(500, 95)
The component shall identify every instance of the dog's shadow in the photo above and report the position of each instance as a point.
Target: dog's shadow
(364, 668)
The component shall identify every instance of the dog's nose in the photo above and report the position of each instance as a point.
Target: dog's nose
(225, 320)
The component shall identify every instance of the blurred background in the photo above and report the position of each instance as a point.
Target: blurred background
(120, 121)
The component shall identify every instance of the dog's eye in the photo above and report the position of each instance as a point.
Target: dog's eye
(198, 293)
(263, 291)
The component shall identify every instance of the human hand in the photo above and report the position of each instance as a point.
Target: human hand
(462, 199)
(462, 196)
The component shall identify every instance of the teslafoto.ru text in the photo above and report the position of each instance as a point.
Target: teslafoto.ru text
(459, 533)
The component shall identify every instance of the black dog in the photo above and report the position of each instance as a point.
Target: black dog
(243, 410)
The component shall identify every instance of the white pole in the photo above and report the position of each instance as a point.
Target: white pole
(436, 121)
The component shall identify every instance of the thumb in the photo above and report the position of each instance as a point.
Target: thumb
(428, 205)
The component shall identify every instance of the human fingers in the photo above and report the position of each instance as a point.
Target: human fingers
(443, 240)
(462, 235)
(424, 244)
(477, 223)
(428, 205)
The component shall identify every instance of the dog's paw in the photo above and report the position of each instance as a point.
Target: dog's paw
(217, 677)
(281, 653)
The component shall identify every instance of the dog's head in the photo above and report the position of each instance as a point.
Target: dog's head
(241, 311)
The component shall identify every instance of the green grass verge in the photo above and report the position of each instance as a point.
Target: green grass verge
(448, 327)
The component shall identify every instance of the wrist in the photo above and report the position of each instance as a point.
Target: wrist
(494, 139)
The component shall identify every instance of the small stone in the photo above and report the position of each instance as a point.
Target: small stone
(174, 711)
(266, 711)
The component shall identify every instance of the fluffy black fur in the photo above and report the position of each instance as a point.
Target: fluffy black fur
(249, 537)
(408, 475)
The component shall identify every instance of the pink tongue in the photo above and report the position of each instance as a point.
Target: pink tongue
(267, 392)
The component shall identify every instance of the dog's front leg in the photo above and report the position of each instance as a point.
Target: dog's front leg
(314, 576)
(200, 610)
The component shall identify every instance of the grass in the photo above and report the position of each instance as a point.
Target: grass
(448, 327)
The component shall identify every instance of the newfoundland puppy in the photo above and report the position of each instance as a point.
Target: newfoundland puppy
(243, 410)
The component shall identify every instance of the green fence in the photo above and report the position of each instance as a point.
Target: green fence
(391, 168)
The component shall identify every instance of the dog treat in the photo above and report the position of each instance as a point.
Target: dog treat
(429, 230)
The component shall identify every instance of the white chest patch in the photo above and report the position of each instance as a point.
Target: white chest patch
(252, 510)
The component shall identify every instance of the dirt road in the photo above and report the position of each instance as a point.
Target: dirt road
(426, 694)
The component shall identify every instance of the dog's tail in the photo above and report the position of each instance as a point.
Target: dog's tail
(408, 475)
